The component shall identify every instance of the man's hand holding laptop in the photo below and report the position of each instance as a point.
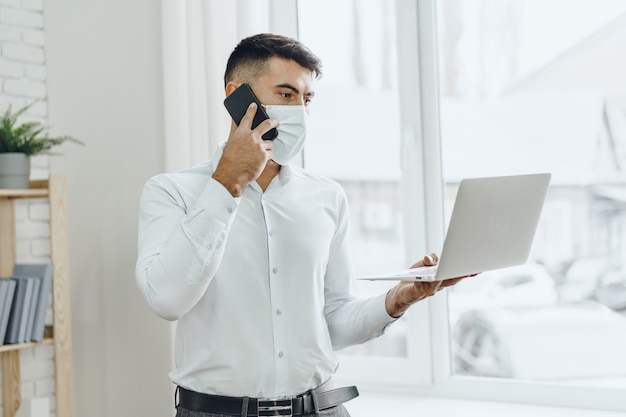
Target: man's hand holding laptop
(407, 293)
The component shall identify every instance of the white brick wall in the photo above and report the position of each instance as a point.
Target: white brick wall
(22, 81)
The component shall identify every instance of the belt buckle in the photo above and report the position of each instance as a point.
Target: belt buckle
(282, 406)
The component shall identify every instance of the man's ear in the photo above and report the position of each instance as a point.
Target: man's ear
(231, 86)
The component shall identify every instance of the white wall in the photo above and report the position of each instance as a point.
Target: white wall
(105, 88)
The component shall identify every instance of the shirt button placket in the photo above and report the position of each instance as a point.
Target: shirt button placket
(276, 296)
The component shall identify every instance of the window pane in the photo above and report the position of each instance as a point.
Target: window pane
(532, 87)
(354, 137)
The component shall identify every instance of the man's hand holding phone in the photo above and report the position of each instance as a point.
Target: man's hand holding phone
(237, 104)
(245, 154)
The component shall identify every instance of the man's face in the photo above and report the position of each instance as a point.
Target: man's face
(284, 83)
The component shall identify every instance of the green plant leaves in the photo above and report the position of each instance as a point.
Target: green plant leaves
(27, 138)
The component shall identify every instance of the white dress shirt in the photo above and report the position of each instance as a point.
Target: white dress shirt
(262, 286)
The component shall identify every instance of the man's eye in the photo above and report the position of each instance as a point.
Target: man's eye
(286, 95)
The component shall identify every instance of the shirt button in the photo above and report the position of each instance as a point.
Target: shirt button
(279, 312)
(271, 233)
(229, 209)
(281, 354)
(210, 246)
(274, 270)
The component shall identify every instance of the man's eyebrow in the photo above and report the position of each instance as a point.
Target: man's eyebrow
(295, 90)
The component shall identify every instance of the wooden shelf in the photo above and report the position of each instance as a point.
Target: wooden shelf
(4, 193)
(54, 189)
(18, 346)
(38, 189)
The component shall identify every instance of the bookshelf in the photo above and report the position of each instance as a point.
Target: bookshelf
(59, 334)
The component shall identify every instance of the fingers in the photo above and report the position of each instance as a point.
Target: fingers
(431, 259)
(454, 281)
(266, 126)
(428, 289)
(263, 127)
(268, 144)
(450, 282)
(248, 118)
(431, 288)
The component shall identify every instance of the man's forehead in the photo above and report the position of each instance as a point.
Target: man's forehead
(280, 65)
(299, 83)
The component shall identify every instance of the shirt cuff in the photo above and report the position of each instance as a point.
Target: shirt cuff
(215, 195)
(379, 316)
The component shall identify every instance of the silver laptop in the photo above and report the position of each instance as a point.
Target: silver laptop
(492, 226)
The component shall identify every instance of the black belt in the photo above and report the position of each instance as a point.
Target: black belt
(284, 406)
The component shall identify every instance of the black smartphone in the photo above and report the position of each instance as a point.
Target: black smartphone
(237, 104)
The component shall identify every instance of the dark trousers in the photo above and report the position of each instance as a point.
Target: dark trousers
(338, 411)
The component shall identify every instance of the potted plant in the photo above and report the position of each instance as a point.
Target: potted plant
(18, 142)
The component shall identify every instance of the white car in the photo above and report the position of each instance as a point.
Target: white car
(574, 342)
(611, 290)
(528, 285)
(582, 277)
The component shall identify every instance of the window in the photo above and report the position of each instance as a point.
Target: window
(534, 87)
(508, 87)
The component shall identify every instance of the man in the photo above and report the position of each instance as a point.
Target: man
(251, 255)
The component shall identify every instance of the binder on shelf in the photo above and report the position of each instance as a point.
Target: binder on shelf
(4, 290)
(17, 311)
(28, 300)
(7, 291)
(31, 310)
(43, 274)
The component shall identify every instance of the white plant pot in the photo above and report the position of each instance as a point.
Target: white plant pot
(14, 170)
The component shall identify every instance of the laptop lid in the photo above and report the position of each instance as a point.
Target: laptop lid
(492, 226)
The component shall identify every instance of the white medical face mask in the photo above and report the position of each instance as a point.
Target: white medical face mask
(291, 131)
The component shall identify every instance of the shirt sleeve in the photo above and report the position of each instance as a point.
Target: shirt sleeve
(180, 247)
(351, 320)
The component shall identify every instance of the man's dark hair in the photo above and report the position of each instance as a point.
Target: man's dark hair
(249, 58)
